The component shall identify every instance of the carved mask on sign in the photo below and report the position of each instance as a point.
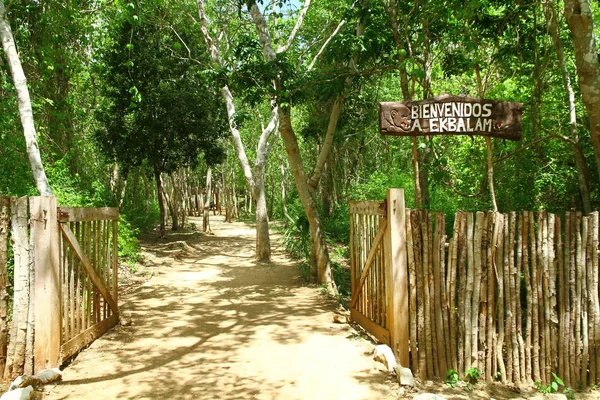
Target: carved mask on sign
(399, 118)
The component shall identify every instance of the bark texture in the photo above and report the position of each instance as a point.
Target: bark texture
(580, 21)
(580, 162)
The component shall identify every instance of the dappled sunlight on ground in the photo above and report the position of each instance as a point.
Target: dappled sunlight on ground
(214, 324)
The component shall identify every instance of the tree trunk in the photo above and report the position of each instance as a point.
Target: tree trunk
(392, 12)
(580, 162)
(263, 242)
(424, 175)
(161, 201)
(288, 219)
(320, 268)
(415, 163)
(488, 144)
(580, 20)
(319, 253)
(206, 214)
(171, 201)
(25, 110)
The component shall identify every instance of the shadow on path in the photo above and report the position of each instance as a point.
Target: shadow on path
(214, 324)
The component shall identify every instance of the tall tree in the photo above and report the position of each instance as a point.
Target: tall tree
(158, 109)
(24, 101)
(319, 251)
(216, 38)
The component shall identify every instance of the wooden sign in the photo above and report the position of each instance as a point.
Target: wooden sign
(451, 115)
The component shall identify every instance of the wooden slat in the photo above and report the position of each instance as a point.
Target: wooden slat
(83, 214)
(115, 262)
(20, 242)
(382, 334)
(4, 283)
(88, 267)
(438, 271)
(413, 294)
(369, 262)
(86, 337)
(367, 208)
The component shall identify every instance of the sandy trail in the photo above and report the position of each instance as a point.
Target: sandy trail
(213, 324)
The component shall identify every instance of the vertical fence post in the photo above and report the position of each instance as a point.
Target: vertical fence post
(48, 310)
(395, 244)
(4, 284)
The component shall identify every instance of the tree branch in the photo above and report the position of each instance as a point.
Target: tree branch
(297, 27)
(322, 49)
(263, 30)
(326, 146)
(262, 149)
(214, 51)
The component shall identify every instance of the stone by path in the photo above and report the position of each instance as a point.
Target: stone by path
(213, 324)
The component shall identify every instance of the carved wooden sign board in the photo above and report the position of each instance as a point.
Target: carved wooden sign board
(451, 115)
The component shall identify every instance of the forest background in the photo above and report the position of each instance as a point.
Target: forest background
(273, 104)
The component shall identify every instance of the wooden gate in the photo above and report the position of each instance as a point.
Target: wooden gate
(88, 266)
(65, 281)
(379, 276)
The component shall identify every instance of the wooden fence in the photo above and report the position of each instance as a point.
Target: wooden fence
(515, 295)
(65, 281)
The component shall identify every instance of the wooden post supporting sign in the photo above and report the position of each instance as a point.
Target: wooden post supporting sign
(397, 290)
(45, 239)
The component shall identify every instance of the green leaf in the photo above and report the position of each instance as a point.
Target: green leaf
(558, 380)
(419, 73)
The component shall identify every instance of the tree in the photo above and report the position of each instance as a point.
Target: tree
(159, 110)
(255, 179)
(25, 109)
(319, 251)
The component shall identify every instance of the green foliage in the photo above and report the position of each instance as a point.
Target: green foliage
(127, 241)
(296, 239)
(553, 387)
(337, 226)
(570, 393)
(452, 378)
(377, 183)
(158, 106)
(472, 375)
(342, 279)
(71, 190)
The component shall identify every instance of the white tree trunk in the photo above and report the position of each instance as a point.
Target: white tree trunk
(25, 110)
(263, 242)
(320, 262)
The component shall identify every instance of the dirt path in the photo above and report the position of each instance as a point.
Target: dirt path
(213, 324)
